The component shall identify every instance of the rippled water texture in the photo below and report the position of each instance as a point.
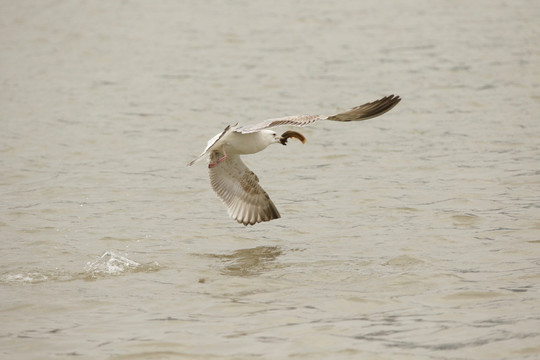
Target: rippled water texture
(415, 235)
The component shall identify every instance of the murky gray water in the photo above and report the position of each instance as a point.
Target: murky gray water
(414, 235)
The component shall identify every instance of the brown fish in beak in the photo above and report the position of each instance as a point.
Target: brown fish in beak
(291, 134)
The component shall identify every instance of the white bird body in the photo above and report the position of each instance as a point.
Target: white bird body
(251, 143)
(232, 142)
(236, 185)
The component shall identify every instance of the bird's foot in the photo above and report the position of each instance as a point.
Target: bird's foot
(223, 158)
(214, 164)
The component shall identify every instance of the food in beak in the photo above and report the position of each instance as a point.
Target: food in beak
(291, 134)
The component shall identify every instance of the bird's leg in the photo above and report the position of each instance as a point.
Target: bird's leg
(224, 155)
(215, 153)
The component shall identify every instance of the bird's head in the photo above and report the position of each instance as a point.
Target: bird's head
(270, 137)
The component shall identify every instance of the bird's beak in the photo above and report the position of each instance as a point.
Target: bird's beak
(291, 134)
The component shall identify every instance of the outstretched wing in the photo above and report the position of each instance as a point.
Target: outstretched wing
(297, 120)
(239, 189)
(358, 113)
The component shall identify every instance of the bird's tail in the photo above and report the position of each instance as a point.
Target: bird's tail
(199, 158)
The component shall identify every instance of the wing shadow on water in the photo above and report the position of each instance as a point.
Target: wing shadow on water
(249, 262)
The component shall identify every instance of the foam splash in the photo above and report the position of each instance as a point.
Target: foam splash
(110, 263)
(107, 264)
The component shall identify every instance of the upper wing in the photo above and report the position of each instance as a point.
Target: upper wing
(297, 120)
(238, 187)
(358, 113)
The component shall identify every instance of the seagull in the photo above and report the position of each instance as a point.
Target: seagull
(236, 185)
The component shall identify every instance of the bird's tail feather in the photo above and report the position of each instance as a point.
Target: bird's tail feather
(199, 158)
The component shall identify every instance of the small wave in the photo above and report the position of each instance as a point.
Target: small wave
(36, 277)
(31, 277)
(403, 261)
(108, 264)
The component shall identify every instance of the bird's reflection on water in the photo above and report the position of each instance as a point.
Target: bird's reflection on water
(249, 262)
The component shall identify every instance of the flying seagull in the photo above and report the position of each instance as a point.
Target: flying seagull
(236, 185)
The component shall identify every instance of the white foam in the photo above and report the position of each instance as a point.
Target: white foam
(32, 277)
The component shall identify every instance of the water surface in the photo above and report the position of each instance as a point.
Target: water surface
(414, 235)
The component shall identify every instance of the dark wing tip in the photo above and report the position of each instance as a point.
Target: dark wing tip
(368, 110)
